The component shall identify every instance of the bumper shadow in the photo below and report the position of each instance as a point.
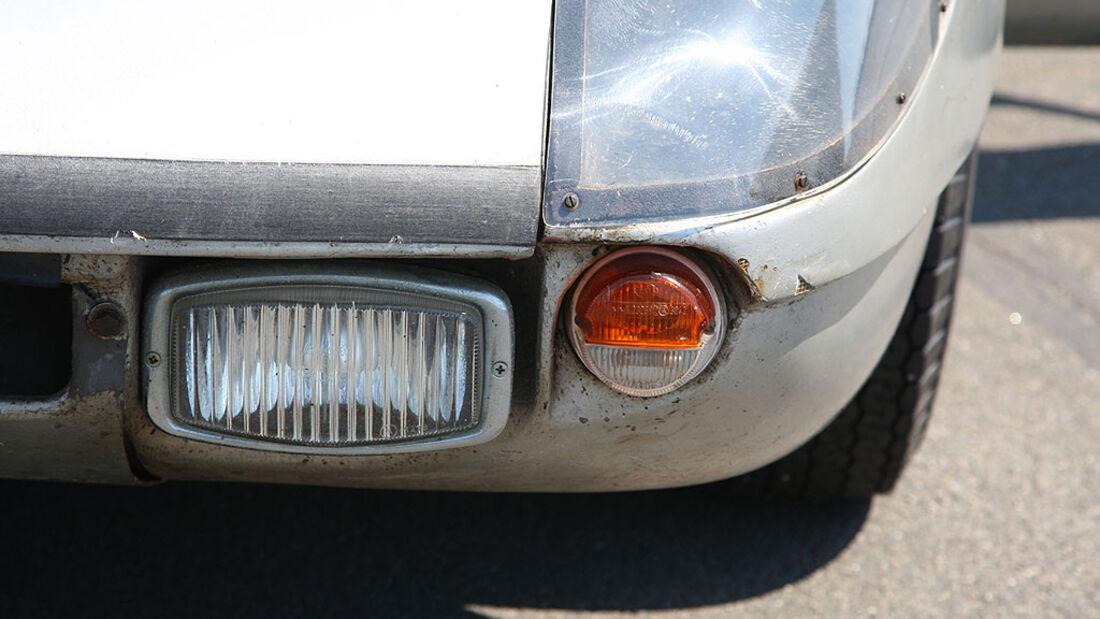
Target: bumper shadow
(196, 549)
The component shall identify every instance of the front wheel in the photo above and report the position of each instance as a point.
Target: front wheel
(864, 450)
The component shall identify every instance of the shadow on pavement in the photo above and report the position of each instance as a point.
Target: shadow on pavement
(1042, 183)
(1045, 183)
(202, 550)
(1043, 106)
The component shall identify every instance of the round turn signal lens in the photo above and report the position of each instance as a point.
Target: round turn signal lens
(646, 320)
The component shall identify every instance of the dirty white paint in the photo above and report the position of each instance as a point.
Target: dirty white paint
(431, 82)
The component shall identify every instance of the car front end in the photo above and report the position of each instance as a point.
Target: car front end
(378, 247)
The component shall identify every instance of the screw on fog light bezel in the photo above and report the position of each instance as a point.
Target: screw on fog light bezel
(710, 342)
(486, 299)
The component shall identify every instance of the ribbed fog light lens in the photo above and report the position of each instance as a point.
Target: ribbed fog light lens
(326, 374)
(327, 365)
(646, 320)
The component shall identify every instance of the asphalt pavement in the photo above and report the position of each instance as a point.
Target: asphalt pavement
(998, 515)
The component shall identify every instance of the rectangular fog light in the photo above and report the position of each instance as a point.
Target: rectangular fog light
(394, 359)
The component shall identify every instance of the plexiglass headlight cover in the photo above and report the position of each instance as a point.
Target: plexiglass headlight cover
(686, 108)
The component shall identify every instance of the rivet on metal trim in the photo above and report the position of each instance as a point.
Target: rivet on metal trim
(106, 321)
(801, 181)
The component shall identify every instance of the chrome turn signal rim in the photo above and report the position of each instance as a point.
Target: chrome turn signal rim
(646, 320)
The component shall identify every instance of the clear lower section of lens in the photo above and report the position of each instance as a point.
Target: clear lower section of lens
(335, 373)
(643, 371)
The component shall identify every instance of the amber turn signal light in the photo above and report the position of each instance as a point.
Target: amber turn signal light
(646, 320)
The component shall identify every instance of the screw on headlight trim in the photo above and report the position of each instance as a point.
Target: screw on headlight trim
(801, 182)
(902, 98)
(500, 368)
(571, 200)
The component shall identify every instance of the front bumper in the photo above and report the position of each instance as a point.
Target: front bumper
(828, 277)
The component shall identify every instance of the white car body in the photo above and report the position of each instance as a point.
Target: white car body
(453, 141)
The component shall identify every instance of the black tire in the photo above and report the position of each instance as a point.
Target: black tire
(864, 450)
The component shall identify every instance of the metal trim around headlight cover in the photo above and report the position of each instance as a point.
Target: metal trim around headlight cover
(496, 355)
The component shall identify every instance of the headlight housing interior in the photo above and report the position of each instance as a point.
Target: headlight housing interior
(680, 108)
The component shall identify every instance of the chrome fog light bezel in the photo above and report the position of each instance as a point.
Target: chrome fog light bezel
(494, 357)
